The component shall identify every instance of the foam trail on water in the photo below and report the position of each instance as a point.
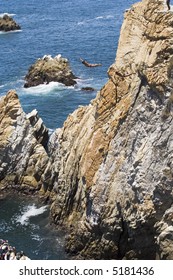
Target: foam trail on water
(95, 19)
(31, 211)
(12, 31)
(45, 88)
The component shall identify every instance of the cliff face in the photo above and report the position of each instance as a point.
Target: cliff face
(23, 158)
(113, 159)
(109, 169)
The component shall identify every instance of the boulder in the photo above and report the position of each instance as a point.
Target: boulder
(7, 23)
(48, 69)
(87, 89)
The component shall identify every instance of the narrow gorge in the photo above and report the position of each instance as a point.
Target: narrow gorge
(108, 172)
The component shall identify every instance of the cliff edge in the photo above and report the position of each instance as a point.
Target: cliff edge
(113, 158)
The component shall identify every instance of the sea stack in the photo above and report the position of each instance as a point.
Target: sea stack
(7, 23)
(48, 69)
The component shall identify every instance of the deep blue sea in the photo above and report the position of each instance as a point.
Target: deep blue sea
(73, 28)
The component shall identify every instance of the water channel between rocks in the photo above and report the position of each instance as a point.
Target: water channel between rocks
(25, 223)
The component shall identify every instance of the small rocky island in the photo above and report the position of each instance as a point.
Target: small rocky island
(7, 23)
(48, 69)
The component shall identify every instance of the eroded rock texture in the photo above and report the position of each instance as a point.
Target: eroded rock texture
(22, 158)
(48, 69)
(113, 159)
(7, 23)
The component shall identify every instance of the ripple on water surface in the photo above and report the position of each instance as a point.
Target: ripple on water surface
(24, 222)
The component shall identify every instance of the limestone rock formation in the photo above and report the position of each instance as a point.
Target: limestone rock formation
(48, 69)
(41, 131)
(108, 170)
(7, 23)
(114, 158)
(23, 160)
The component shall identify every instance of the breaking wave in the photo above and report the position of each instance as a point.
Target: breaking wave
(7, 32)
(31, 211)
(45, 88)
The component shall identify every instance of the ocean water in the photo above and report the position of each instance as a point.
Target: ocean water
(25, 224)
(73, 28)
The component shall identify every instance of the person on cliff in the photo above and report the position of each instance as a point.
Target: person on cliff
(168, 4)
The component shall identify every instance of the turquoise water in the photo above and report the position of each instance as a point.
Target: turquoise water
(73, 28)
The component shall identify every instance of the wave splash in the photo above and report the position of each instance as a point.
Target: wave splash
(4, 14)
(31, 211)
(45, 88)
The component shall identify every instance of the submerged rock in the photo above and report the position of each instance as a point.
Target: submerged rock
(7, 23)
(89, 89)
(48, 69)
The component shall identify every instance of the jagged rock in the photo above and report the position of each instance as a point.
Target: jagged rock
(48, 70)
(7, 23)
(22, 159)
(113, 158)
(41, 131)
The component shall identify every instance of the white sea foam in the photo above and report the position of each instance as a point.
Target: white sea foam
(94, 19)
(31, 211)
(10, 15)
(7, 32)
(100, 17)
(45, 88)
(104, 17)
(35, 237)
(84, 83)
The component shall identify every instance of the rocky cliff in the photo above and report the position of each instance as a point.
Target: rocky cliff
(109, 168)
(113, 158)
(23, 158)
